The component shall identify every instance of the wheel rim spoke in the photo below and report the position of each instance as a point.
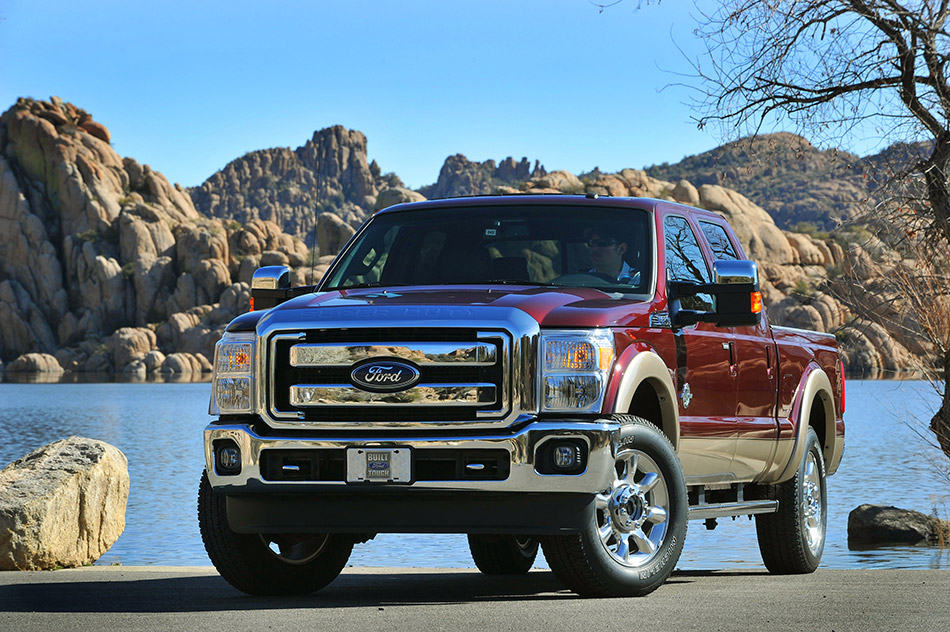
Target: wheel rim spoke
(644, 544)
(650, 479)
(601, 501)
(630, 468)
(623, 549)
(605, 532)
(656, 515)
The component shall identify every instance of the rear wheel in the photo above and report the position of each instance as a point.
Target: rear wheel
(268, 564)
(639, 526)
(792, 539)
(503, 554)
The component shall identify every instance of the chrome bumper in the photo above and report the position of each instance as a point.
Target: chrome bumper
(601, 437)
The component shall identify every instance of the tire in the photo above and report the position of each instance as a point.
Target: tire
(268, 564)
(792, 539)
(503, 554)
(639, 525)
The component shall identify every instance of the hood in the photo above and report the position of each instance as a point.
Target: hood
(549, 307)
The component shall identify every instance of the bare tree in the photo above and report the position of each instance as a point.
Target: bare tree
(841, 70)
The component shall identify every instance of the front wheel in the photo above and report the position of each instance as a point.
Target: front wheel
(503, 554)
(268, 564)
(792, 539)
(639, 525)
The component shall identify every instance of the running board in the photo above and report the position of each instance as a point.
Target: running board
(724, 510)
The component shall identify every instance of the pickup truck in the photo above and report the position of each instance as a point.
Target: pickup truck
(577, 373)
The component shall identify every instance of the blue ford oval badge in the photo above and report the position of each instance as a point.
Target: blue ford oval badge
(384, 376)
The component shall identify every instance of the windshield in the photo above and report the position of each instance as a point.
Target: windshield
(603, 248)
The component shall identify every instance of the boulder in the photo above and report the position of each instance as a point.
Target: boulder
(563, 181)
(62, 505)
(882, 525)
(686, 193)
(185, 364)
(332, 233)
(153, 360)
(129, 344)
(396, 195)
(35, 363)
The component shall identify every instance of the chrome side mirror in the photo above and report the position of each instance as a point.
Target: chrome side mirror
(736, 296)
(271, 278)
(270, 286)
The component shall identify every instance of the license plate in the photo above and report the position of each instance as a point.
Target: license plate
(378, 465)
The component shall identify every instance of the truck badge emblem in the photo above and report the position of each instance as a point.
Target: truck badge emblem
(384, 376)
(687, 396)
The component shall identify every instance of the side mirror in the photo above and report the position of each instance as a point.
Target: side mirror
(737, 301)
(270, 286)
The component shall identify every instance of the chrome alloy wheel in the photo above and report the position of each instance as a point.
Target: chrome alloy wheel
(632, 514)
(295, 549)
(813, 514)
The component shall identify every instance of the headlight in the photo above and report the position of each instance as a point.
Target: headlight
(575, 366)
(232, 387)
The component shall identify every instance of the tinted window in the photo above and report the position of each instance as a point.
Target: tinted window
(719, 241)
(684, 260)
(605, 248)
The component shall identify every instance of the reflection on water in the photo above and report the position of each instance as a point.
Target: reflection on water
(158, 427)
(95, 378)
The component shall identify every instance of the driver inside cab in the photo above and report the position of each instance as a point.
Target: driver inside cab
(606, 255)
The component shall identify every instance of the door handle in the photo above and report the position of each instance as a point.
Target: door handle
(733, 367)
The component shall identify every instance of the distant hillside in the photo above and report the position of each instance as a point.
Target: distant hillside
(784, 174)
(288, 187)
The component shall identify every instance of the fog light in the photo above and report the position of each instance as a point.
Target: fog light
(227, 459)
(566, 456)
(561, 456)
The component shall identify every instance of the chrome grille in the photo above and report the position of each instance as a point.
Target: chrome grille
(464, 375)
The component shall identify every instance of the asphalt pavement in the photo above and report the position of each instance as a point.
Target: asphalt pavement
(101, 599)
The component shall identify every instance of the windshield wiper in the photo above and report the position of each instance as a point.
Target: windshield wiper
(522, 282)
(363, 286)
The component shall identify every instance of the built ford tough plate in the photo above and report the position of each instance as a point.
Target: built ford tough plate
(577, 373)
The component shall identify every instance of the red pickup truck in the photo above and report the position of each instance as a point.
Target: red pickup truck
(577, 373)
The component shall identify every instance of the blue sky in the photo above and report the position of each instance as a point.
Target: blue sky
(187, 87)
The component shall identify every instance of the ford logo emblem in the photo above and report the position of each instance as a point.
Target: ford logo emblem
(378, 465)
(381, 376)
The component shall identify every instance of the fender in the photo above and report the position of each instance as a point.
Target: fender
(637, 364)
(814, 384)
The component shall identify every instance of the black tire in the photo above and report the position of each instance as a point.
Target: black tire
(503, 554)
(301, 564)
(649, 479)
(792, 539)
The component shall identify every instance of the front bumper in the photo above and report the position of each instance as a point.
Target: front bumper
(525, 501)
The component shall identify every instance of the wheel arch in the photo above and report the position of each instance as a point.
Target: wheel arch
(813, 408)
(646, 390)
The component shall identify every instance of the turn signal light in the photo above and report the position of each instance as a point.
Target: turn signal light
(252, 305)
(756, 302)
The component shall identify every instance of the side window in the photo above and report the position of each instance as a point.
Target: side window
(684, 260)
(719, 241)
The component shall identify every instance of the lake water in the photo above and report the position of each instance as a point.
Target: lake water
(158, 427)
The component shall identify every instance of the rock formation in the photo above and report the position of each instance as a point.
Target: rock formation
(461, 176)
(62, 505)
(107, 266)
(293, 188)
(93, 244)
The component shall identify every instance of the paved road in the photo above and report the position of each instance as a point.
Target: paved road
(99, 599)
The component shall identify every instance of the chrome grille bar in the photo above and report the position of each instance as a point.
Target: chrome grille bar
(304, 395)
(422, 353)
